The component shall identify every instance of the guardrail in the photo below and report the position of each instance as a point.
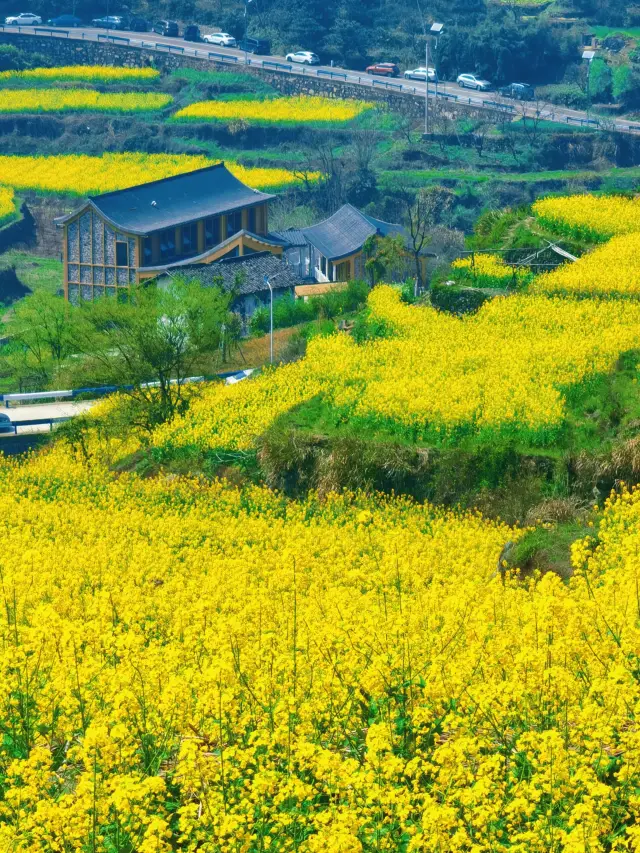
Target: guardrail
(114, 39)
(448, 95)
(499, 105)
(72, 393)
(222, 57)
(268, 64)
(332, 74)
(386, 84)
(52, 32)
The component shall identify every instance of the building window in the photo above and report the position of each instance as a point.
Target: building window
(190, 239)
(211, 231)
(167, 244)
(251, 220)
(234, 222)
(122, 254)
(147, 250)
(323, 265)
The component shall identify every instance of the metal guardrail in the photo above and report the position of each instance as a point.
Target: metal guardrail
(72, 393)
(386, 84)
(113, 39)
(332, 74)
(448, 95)
(221, 57)
(51, 31)
(269, 64)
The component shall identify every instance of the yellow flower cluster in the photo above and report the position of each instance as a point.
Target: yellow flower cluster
(81, 174)
(187, 666)
(502, 372)
(287, 110)
(7, 203)
(98, 73)
(486, 270)
(79, 100)
(609, 270)
(593, 217)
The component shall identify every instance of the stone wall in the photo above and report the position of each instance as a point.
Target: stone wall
(65, 51)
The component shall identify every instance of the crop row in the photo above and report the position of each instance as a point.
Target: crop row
(79, 100)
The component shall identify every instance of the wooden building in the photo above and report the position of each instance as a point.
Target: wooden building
(121, 238)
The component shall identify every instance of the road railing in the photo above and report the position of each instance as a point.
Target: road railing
(333, 75)
(74, 393)
(114, 39)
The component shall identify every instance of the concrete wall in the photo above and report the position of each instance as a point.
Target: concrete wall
(64, 51)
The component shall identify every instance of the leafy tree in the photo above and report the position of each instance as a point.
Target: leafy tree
(384, 255)
(157, 336)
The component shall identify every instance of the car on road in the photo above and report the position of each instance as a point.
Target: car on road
(421, 74)
(223, 39)
(191, 33)
(519, 91)
(166, 28)
(24, 19)
(108, 22)
(6, 426)
(383, 69)
(470, 81)
(260, 46)
(65, 21)
(304, 57)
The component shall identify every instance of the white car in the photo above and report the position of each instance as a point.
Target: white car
(305, 57)
(421, 74)
(470, 81)
(223, 39)
(24, 19)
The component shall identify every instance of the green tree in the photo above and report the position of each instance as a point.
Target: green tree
(151, 343)
(384, 255)
(42, 331)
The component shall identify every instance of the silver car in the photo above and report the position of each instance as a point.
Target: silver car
(470, 81)
(24, 19)
(421, 74)
(6, 427)
(223, 39)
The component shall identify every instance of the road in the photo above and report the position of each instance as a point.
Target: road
(23, 416)
(445, 90)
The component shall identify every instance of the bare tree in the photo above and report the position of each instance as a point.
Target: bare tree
(532, 116)
(365, 143)
(328, 190)
(423, 211)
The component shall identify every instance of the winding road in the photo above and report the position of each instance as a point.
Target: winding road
(216, 54)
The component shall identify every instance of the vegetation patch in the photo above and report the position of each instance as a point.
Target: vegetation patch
(89, 73)
(285, 110)
(79, 100)
(8, 208)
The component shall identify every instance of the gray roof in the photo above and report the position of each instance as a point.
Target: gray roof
(245, 272)
(172, 201)
(346, 231)
(289, 237)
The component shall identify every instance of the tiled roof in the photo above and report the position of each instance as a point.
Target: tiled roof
(172, 201)
(346, 231)
(290, 237)
(245, 273)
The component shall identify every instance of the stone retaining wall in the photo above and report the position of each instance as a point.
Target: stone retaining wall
(65, 51)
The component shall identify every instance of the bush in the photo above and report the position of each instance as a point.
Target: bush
(564, 94)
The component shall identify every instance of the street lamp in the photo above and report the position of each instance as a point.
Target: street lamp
(246, 27)
(268, 283)
(436, 30)
(588, 56)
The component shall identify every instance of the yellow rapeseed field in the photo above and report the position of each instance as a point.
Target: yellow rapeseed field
(500, 372)
(79, 100)
(293, 110)
(7, 203)
(593, 217)
(81, 174)
(487, 270)
(98, 73)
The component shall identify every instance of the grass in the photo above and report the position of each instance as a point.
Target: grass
(629, 32)
(35, 272)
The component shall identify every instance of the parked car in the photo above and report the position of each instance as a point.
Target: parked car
(421, 74)
(470, 81)
(65, 21)
(109, 22)
(519, 91)
(384, 69)
(137, 24)
(191, 33)
(5, 425)
(24, 19)
(166, 28)
(305, 57)
(223, 39)
(259, 46)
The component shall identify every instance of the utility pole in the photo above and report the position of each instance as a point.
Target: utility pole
(588, 56)
(426, 86)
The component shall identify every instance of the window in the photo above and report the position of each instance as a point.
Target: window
(211, 231)
(323, 265)
(190, 239)
(234, 223)
(122, 254)
(251, 220)
(167, 244)
(147, 251)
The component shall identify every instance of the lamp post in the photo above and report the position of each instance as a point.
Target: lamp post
(268, 283)
(588, 56)
(436, 30)
(246, 28)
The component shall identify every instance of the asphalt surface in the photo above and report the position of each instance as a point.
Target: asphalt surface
(445, 90)
(22, 416)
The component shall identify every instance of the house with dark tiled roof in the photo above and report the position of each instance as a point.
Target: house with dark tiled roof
(121, 238)
(244, 275)
(333, 250)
